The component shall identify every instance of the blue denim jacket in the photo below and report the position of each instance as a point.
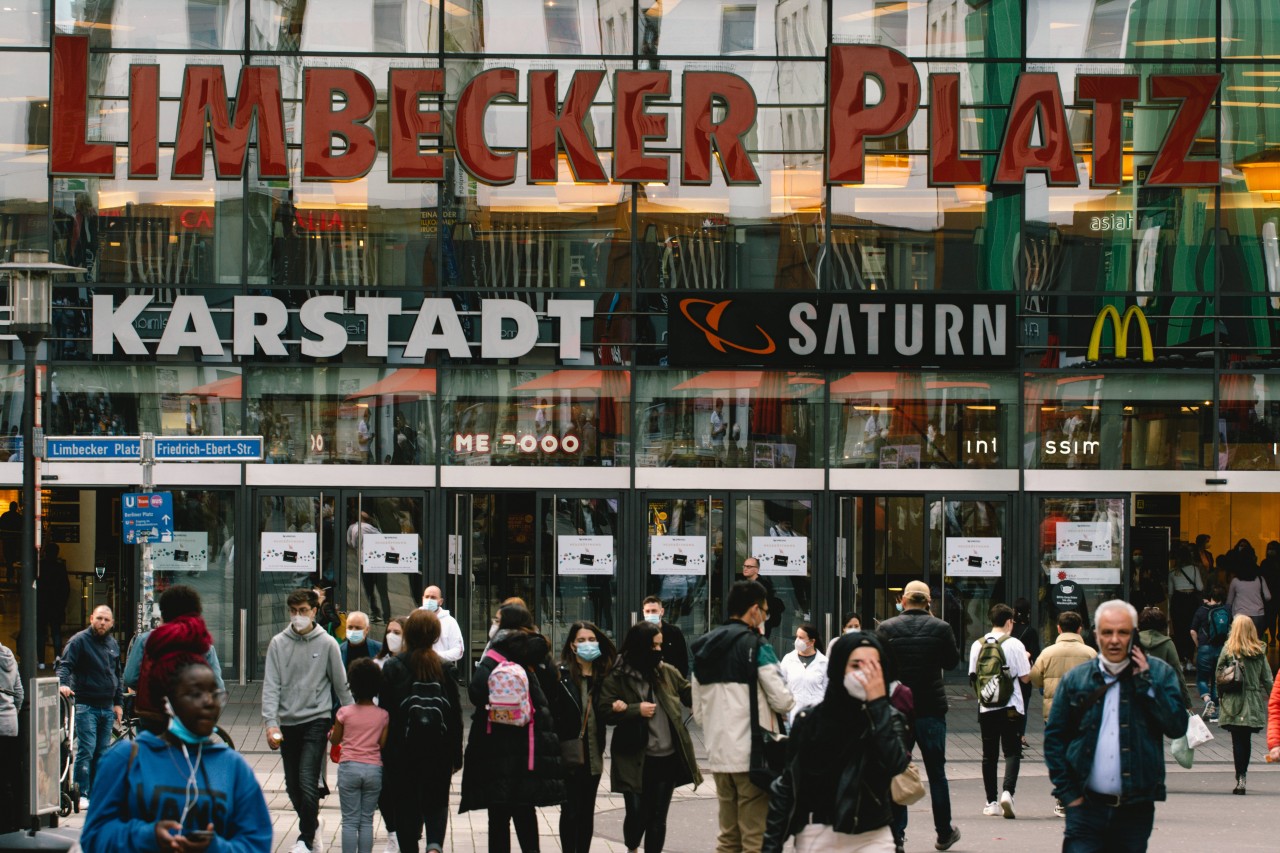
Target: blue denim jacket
(1151, 708)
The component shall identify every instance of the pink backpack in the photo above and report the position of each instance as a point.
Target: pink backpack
(509, 702)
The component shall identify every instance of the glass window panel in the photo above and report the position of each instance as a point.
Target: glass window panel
(346, 26)
(728, 419)
(1249, 421)
(918, 28)
(203, 557)
(147, 25)
(342, 415)
(1154, 421)
(568, 417)
(24, 160)
(130, 399)
(1082, 582)
(539, 27)
(24, 23)
(914, 420)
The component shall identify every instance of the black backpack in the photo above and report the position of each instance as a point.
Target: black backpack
(425, 711)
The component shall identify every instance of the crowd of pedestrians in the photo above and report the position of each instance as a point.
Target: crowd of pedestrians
(815, 747)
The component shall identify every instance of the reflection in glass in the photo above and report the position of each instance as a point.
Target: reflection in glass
(381, 595)
(573, 590)
(968, 592)
(1076, 578)
(789, 590)
(206, 521)
(1249, 421)
(311, 516)
(690, 601)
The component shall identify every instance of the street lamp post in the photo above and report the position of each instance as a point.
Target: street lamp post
(31, 304)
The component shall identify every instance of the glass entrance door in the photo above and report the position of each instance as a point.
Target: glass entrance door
(968, 558)
(685, 559)
(296, 542)
(886, 550)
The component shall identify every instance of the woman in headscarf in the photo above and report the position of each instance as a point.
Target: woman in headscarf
(841, 757)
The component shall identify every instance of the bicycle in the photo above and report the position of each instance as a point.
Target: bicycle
(68, 791)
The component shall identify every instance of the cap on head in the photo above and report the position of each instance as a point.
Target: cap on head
(916, 592)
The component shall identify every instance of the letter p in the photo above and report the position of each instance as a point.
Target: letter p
(850, 122)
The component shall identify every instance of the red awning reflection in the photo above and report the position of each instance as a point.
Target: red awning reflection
(572, 380)
(406, 384)
(230, 388)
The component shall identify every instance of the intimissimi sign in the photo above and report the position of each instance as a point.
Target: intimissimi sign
(716, 111)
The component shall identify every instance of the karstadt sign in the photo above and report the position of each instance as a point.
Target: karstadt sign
(715, 112)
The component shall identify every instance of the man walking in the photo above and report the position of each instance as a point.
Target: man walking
(751, 572)
(90, 670)
(304, 669)
(450, 646)
(996, 663)
(675, 650)
(923, 647)
(1104, 742)
(733, 665)
(1052, 665)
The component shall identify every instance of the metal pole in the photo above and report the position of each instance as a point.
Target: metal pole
(147, 605)
(28, 648)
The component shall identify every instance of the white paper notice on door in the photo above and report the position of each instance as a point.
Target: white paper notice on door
(1090, 576)
(289, 552)
(781, 555)
(455, 554)
(188, 552)
(678, 555)
(584, 555)
(1083, 541)
(974, 556)
(390, 553)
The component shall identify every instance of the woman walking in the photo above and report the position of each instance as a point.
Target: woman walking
(1248, 593)
(424, 743)
(1242, 708)
(841, 757)
(805, 670)
(587, 657)
(652, 752)
(392, 642)
(510, 770)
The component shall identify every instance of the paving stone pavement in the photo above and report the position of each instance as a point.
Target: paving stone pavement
(692, 822)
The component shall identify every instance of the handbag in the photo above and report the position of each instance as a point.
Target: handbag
(907, 787)
(768, 748)
(1231, 678)
(573, 753)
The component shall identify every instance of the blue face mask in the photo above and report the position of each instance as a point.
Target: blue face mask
(431, 604)
(588, 651)
(355, 636)
(184, 734)
(653, 618)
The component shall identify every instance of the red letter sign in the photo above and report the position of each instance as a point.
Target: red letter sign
(144, 121)
(321, 122)
(1109, 93)
(850, 122)
(1172, 168)
(69, 153)
(632, 125)
(409, 123)
(1037, 97)
(547, 128)
(701, 91)
(946, 167)
(474, 152)
(204, 100)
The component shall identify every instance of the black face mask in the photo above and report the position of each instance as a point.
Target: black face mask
(647, 661)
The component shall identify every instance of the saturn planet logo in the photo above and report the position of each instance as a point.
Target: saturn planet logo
(709, 325)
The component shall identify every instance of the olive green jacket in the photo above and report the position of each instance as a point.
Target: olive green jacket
(626, 773)
(1246, 707)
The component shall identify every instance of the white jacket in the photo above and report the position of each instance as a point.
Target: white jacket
(450, 646)
(808, 684)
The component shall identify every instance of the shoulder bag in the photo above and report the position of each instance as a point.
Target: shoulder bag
(1231, 678)
(907, 787)
(573, 753)
(768, 748)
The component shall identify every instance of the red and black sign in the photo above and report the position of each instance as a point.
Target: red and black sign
(853, 330)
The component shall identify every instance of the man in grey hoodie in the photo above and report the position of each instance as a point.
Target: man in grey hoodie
(304, 671)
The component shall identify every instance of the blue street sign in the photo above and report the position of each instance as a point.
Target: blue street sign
(125, 448)
(147, 517)
(208, 448)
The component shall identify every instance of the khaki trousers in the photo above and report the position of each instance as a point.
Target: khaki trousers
(744, 809)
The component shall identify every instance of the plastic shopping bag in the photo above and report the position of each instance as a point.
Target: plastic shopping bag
(1197, 732)
(1182, 753)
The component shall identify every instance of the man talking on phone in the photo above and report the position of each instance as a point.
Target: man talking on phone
(1104, 741)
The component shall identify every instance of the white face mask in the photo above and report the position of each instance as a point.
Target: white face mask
(301, 624)
(653, 618)
(801, 646)
(855, 685)
(493, 629)
(851, 630)
(394, 642)
(430, 604)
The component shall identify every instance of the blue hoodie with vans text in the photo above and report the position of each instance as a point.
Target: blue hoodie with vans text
(135, 791)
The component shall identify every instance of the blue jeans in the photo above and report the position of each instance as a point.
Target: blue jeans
(1096, 828)
(93, 737)
(300, 753)
(931, 734)
(359, 785)
(1206, 665)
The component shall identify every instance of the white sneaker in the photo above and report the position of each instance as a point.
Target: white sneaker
(992, 809)
(300, 846)
(1006, 805)
(317, 844)
(1059, 809)
(84, 804)
(393, 846)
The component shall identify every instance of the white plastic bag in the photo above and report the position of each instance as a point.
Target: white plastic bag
(1197, 732)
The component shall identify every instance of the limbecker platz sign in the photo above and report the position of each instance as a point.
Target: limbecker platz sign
(847, 330)
(716, 112)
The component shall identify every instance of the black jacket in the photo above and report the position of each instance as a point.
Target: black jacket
(862, 801)
(923, 646)
(566, 707)
(675, 650)
(90, 665)
(495, 770)
(401, 776)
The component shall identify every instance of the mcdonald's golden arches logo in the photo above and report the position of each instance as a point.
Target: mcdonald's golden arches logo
(1120, 327)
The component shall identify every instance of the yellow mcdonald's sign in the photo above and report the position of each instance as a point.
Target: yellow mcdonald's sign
(1121, 329)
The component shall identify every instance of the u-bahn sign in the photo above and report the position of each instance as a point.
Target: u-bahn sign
(715, 113)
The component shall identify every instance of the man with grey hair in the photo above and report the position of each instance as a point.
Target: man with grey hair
(1104, 741)
(358, 644)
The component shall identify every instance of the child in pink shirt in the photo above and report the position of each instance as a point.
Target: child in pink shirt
(361, 729)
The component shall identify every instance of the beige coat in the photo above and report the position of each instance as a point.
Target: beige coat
(1067, 652)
